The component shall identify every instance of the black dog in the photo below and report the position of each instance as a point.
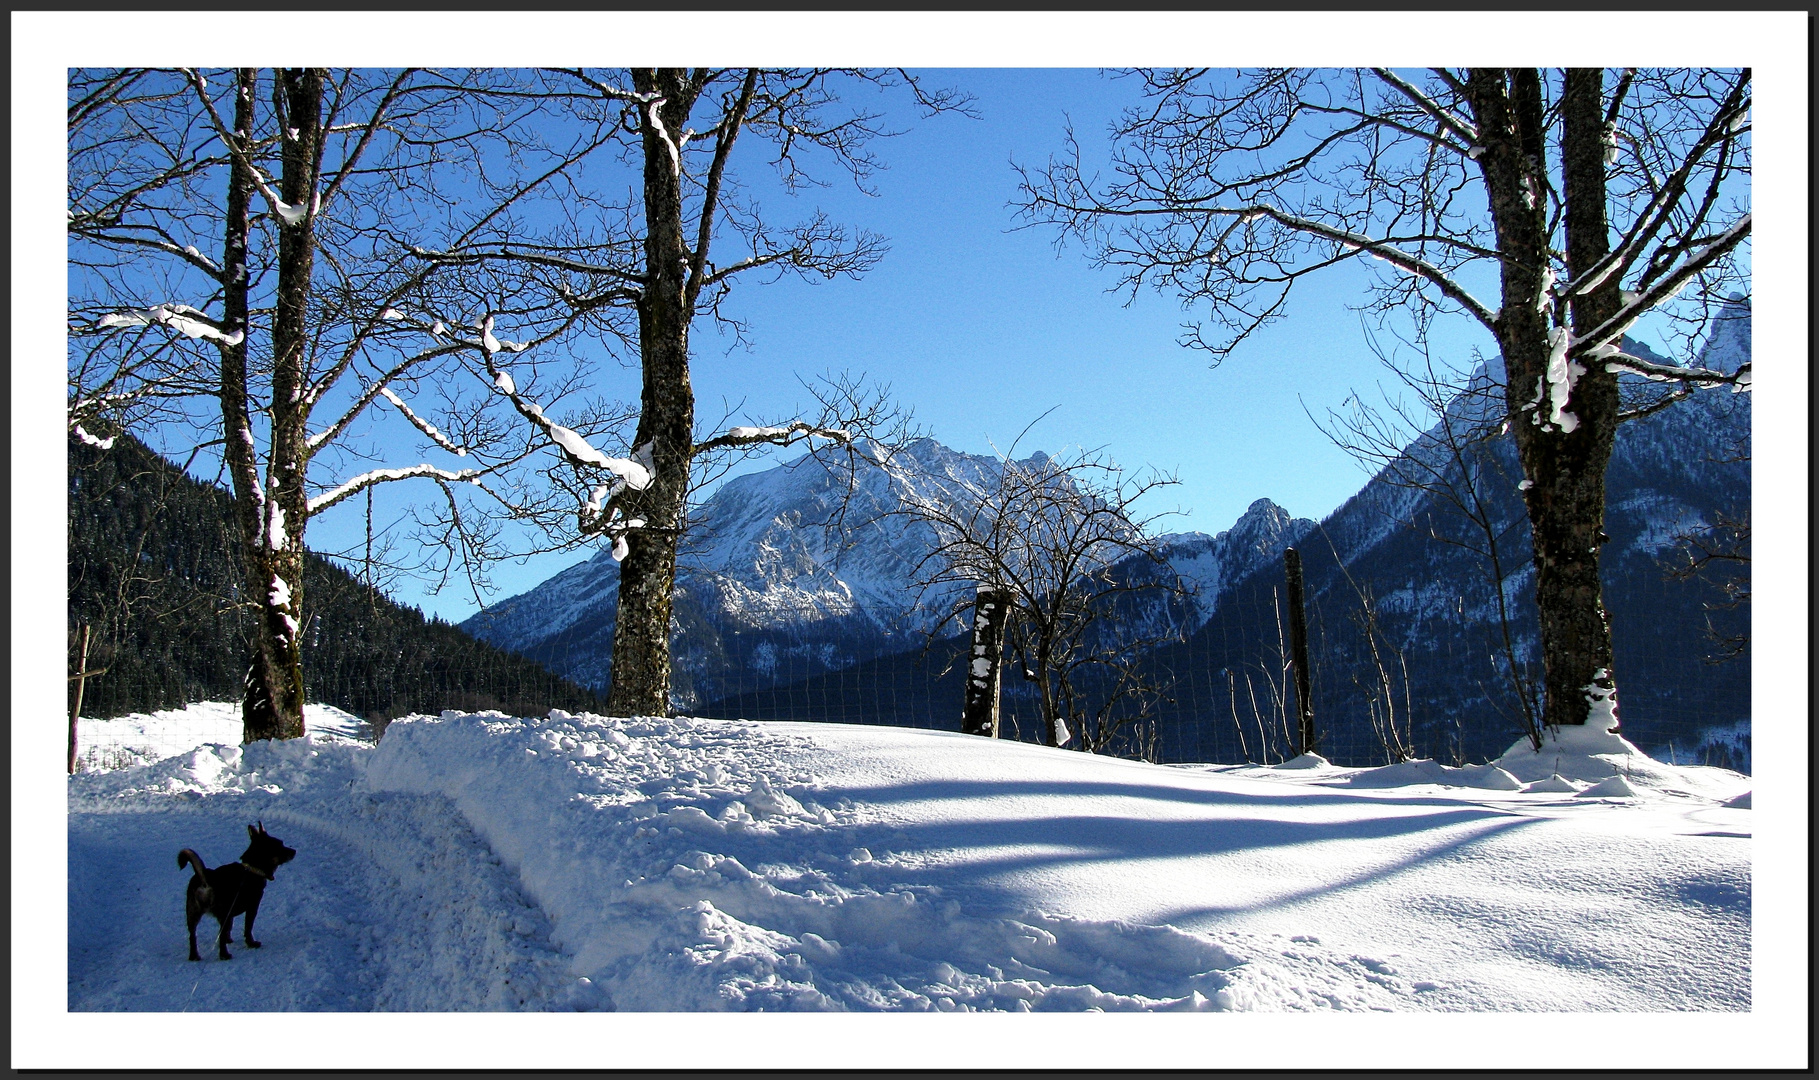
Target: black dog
(226, 891)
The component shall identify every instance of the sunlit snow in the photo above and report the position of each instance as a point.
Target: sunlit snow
(578, 862)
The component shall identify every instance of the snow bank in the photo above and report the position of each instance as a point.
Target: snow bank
(145, 738)
(1590, 755)
(1424, 771)
(688, 864)
(695, 864)
(290, 767)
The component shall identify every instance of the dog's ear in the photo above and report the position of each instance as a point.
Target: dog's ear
(261, 827)
(251, 833)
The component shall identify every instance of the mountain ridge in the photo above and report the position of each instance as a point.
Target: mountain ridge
(765, 585)
(772, 614)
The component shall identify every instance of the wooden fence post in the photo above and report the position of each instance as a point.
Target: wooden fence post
(75, 709)
(984, 666)
(1297, 637)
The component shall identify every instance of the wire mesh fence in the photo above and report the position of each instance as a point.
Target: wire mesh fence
(1417, 673)
(1413, 674)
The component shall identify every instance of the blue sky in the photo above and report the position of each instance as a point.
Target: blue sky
(981, 327)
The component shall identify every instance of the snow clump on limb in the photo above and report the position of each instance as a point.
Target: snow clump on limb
(98, 443)
(179, 317)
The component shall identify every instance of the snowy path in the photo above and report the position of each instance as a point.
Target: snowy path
(391, 904)
(126, 918)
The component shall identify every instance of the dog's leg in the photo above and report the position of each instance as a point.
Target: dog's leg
(227, 926)
(251, 911)
(194, 916)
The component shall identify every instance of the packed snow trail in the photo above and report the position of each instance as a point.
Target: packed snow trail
(580, 862)
(391, 904)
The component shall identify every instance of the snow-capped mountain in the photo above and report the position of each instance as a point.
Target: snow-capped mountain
(1210, 565)
(785, 575)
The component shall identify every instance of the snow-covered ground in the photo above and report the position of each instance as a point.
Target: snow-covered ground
(142, 738)
(587, 864)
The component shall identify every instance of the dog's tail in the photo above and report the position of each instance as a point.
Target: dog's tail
(188, 857)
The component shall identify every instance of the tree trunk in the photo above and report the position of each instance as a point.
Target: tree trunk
(1581, 677)
(260, 715)
(985, 667)
(273, 707)
(647, 576)
(1051, 708)
(1563, 436)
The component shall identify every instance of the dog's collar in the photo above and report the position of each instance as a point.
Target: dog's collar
(255, 870)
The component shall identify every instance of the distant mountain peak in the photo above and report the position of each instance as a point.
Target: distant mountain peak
(760, 564)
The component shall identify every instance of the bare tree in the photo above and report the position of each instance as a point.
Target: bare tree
(1062, 546)
(1456, 464)
(304, 312)
(1379, 693)
(1591, 202)
(643, 267)
(1718, 553)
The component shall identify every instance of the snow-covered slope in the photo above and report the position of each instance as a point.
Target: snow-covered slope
(581, 862)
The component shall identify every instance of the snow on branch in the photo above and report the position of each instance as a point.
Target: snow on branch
(1623, 363)
(1663, 290)
(1459, 126)
(82, 433)
(635, 472)
(421, 424)
(182, 318)
(776, 436)
(380, 476)
(491, 344)
(612, 93)
(366, 397)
